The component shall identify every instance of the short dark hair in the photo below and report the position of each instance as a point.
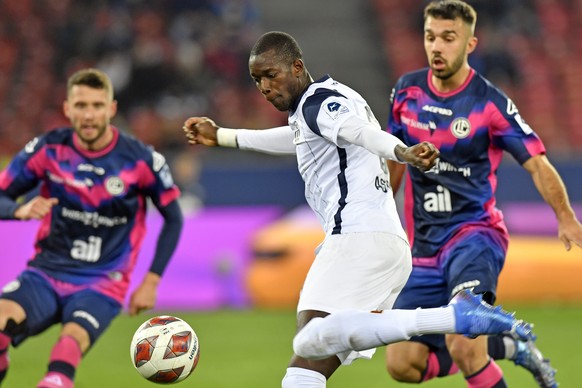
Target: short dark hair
(451, 10)
(93, 78)
(286, 47)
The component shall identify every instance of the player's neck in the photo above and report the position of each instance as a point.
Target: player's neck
(452, 83)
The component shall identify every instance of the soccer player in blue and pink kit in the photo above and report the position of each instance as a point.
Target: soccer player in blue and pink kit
(95, 182)
(457, 235)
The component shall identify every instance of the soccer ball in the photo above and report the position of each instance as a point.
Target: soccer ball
(164, 349)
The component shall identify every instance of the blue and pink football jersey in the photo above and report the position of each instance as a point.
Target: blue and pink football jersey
(471, 127)
(93, 235)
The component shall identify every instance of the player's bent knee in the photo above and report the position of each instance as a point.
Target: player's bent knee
(405, 362)
(78, 332)
(403, 373)
(10, 311)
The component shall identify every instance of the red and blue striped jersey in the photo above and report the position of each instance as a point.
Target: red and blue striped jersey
(471, 127)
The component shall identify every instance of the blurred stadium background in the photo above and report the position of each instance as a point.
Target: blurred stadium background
(248, 237)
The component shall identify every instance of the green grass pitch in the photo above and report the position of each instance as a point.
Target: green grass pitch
(251, 348)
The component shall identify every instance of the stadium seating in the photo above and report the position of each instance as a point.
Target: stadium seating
(167, 59)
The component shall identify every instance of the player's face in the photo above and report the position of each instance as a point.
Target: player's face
(279, 82)
(90, 111)
(447, 44)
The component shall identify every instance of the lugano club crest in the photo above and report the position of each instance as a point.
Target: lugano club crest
(114, 185)
(461, 128)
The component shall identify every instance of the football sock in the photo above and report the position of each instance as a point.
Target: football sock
(502, 347)
(303, 378)
(4, 343)
(439, 364)
(490, 376)
(65, 357)
(360, 330)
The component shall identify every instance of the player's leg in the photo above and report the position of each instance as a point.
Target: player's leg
(524, 354)
(304, 373)
(86, 315)
(11, 316)
(414, 362)
(474, 261)
(456, 265)
(353, 330)
(350, 271)
(423, 357)
(27, 307)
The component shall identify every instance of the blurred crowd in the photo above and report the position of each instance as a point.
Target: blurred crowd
(168, 59)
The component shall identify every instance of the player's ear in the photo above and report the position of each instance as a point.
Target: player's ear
(298, 67)
(113, 108)
(66, 109)
(472, 44)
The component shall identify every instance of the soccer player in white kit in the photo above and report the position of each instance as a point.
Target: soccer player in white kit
(365, 259)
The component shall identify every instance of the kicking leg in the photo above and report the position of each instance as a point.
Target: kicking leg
(467, 314)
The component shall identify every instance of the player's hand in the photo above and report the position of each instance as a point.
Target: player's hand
(201, 130)
(422, 156)
(145, 296)
(35, 209)
(570, 232)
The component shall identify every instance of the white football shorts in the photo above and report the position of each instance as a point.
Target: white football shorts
(363, 271)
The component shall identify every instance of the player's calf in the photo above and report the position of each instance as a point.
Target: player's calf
(65, 358)
(4, 344)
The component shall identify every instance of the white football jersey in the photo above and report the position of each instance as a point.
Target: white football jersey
(346, 185)
(336, 139)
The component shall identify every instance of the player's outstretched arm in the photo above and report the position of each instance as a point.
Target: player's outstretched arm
(276, 141)
(422, 156)
(201, 130)
(553, 191)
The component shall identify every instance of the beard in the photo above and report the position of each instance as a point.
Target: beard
(96, 134)
(448, 71)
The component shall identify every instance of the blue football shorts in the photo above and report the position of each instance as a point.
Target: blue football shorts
(474, 262)
(44, 307)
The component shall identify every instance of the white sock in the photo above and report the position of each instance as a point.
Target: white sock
(435, 320)
(303, 378)
(359, 330)
(510, 348)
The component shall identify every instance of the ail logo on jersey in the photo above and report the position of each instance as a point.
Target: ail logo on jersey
(114, 186)
(461, 128)
(438, 202)
(334, 109)
(88, 251)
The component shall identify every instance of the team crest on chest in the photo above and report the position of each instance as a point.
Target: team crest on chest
(114, 186)
(461, 128)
